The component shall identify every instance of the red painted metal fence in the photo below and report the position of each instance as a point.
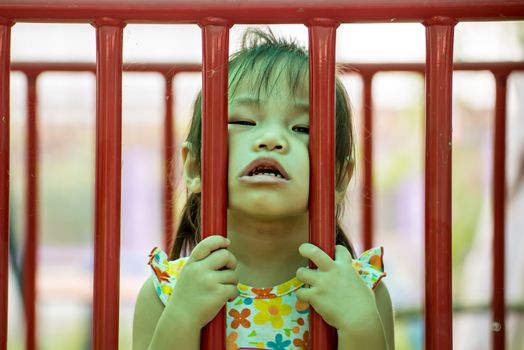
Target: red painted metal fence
(439, 60)
(215, 37)
(322, 18)
(500, 71)
(5, 46)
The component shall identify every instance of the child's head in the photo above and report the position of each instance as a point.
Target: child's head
(267, 68)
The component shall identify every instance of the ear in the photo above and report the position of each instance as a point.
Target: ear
(340, 192)
(190, 171)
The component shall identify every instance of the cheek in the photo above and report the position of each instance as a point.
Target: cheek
(304, 160)
(235, 155)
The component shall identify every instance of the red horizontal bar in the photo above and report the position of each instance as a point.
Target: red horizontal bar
(372, 68)
(162, 68)
(175, 68)
(259, 11)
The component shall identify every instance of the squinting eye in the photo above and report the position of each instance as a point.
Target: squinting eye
(302, 129)
(241, 122)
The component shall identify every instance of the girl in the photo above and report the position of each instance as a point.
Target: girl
(260, 271)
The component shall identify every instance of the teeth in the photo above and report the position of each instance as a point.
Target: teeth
(267, 172)
(270, 174)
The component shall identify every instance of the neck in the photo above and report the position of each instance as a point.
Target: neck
(267, 249)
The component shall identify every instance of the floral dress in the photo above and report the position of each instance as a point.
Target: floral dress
(263, 318)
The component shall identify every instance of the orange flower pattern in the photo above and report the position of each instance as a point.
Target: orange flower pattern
(240, 318)
(302, 343)
(263, 318)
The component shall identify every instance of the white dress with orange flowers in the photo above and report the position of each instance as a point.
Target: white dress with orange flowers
(263, 318)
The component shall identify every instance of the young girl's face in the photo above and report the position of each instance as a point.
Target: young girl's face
(273, 125)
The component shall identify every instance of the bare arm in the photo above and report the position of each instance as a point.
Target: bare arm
(378, 330)
(207, 280)
(158, 327)
(385, 310)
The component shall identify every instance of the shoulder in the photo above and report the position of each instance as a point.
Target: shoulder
(371, 268)
(148, 309)
(164, 273)
(148, 297)
(154, 295)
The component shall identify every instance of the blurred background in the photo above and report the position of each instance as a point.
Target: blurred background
(66, 120)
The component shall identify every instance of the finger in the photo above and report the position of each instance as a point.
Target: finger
(342, 254)
(316, 255)
(304, 294)
(226, 277)
(308, 276)
(231, 262)
(230, 292)
(206, 246)
(221, 259)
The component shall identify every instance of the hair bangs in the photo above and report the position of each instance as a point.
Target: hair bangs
(261, 69)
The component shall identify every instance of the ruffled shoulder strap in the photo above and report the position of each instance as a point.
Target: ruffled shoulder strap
(370, 266)
(165, 272)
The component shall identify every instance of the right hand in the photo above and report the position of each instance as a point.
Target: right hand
(203, 287)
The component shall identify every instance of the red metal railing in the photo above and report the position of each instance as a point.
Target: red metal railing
(215, 38)
(5, 47)
(500, 71)
(439, 60)
(322, 157)
(322, 18)
(498, 314)
(30, 266)
(109, 37)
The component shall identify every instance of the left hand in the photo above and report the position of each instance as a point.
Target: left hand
(336, 291)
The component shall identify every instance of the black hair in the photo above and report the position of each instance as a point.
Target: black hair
(267, 59)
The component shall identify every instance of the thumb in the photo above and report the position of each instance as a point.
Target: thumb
(342, 254)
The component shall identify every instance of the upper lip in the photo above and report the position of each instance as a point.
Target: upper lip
(265, 162)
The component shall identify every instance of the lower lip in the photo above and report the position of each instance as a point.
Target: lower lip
(263, 179)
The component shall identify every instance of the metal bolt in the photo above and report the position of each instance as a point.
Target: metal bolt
(496, 327)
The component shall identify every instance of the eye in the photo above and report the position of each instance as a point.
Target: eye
(301, 129)
(241, 122)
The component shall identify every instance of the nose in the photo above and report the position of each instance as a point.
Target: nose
(271, 139)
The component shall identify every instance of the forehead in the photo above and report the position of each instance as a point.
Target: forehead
(247, 94)
(296, 106)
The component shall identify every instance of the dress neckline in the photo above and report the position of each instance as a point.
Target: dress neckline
(269, 292)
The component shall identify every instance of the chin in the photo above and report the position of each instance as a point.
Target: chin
(268, 217)
(265, 212)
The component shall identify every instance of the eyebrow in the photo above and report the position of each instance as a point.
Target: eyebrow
(253, 102)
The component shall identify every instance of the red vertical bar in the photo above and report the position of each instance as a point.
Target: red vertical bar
(215, 37)
(322, 38)
(499, 212)
(32, 214)
(168, 162)
(439, 75)
(367, 186)
(108, 178)
(5, 60)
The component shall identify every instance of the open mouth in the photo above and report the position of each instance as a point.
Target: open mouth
(266, 172)
(265, 169)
